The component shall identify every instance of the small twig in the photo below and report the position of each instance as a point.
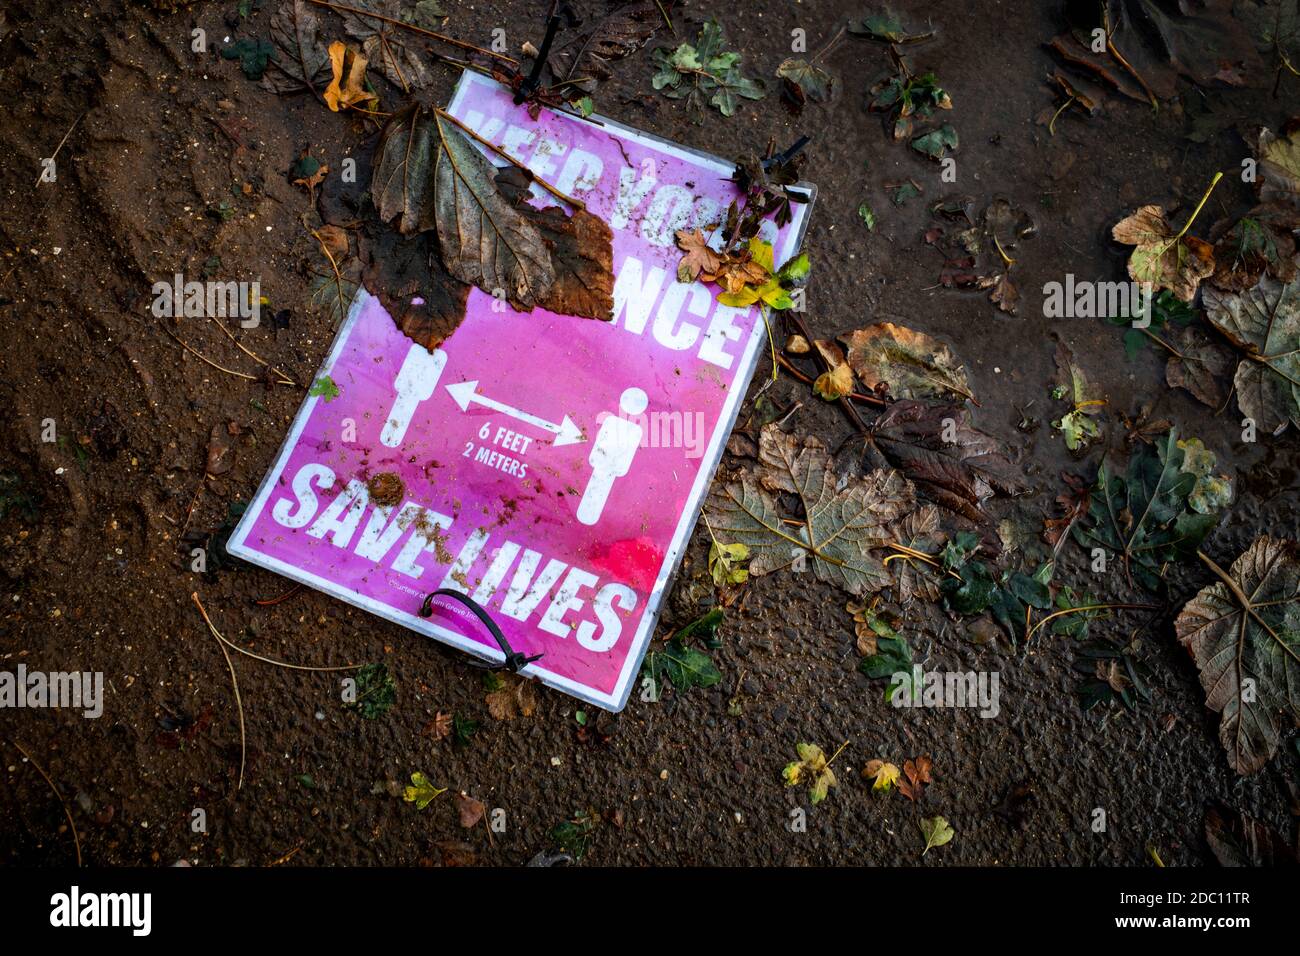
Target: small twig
(906, 553)
(563, 197)
(1163, 344)
(286, 858)
(219, 368)
(837, 753)
(284, 376)
(234, 682)
(271, 602)
(844, 403)
(828, 45)
(1155, 103)
(414, 29)
(194, 501)
(67, 811)
(786, 364)
(268, 660)
(1030, 632)
(55, 154)
(664, 13)
(292, 667)
(227, 133)
(1051, 126)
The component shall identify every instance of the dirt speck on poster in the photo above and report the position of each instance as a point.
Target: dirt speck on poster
(386, 489)
(432, 531)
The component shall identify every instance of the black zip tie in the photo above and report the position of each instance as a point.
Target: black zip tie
(514, 659)
(789, 154)
(534, 79)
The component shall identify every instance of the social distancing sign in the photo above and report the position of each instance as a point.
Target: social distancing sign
(549, 467)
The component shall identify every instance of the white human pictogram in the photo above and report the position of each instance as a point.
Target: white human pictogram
(611, 454)
(416, 380)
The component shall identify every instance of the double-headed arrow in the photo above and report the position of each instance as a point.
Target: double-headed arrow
(566, 433)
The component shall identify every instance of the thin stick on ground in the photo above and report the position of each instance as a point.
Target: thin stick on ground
(67, 811)
(286, 857)
(1051, 127)
(844, 403)
(1031, 631)
(284, 376)
(786, 364)
(563, 197)
(664, 13)
(286, 664)
(414, 29)
(837, 753)
(1110, 46)
(54, 154)
(234, 682)
(279, 598)
(194, 502)
(205, 359)
(905, 553)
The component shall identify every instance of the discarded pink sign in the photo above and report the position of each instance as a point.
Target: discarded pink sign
(550, 467)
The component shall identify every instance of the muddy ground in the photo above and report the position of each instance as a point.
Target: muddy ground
(96, 575)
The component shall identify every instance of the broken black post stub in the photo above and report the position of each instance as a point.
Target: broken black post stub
(534, 79)
(515, 660)
(789, 154)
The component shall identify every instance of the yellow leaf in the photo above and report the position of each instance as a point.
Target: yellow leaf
(884, 773)
(835, 384)
(348, 85)
(739, 300)
(762, 253)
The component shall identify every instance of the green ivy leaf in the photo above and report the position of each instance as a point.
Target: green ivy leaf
(325, 388)
(253, 56)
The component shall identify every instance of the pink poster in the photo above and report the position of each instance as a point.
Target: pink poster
(550, 467)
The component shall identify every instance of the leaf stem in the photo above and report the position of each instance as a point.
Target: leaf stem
(1089, 607)
(563, 197)
(1051, 126)
(837, 753)
(1196, 212)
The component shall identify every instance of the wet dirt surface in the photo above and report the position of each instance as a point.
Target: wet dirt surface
(176, 158)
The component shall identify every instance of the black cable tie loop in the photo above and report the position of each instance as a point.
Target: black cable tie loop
(515, 660)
